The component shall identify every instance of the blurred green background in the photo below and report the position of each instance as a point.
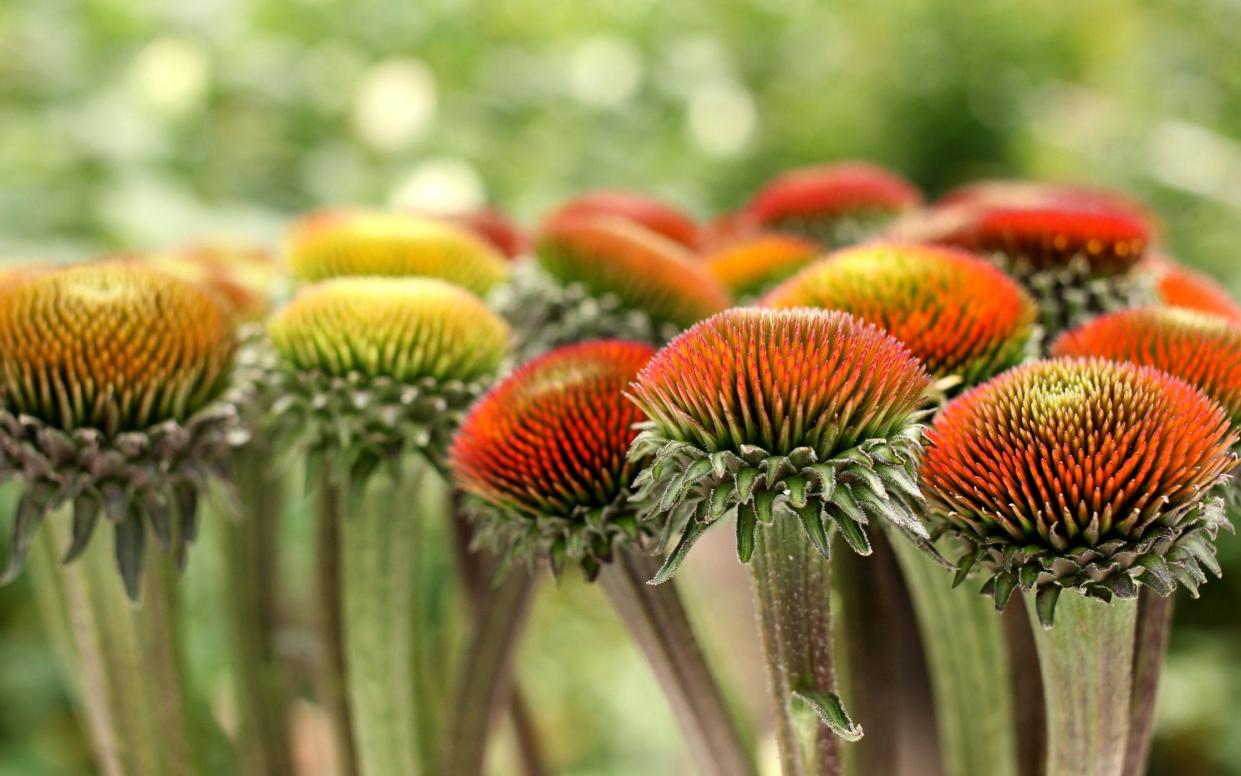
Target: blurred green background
(135, 124)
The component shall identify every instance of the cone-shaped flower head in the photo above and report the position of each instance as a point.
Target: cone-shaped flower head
(544, 455)
(335, 243)
(961, 316)
(751, 265)
(1090, 475)
(1179, 286)
(659, 217)
(1077, 262)
(239, 286)
(1203, 350)
(494, 227)
(1038, 194)
(781, 414)
(601, 277)
(834, 204)
(111, 347)
(111, 399)
(371, 368)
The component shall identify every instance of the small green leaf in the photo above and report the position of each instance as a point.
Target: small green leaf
(1157, 576)
(129, 537)
(812, 520)
(745, 478)
(747, 522)
(85, 518)
(763, 501)
(831, 711)
(1045, 605)
(674, 560)
(853, 534)
(25, 523)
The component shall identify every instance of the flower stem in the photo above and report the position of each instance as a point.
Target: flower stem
(1026, 681)
(792, 586)
(1153, 629)
(1087, 665)
(250, 559)
(487, 676)
(657, 621)
(964, 641)
(126, 659)
(332, 667)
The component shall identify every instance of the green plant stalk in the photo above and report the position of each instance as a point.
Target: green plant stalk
(331, 665)
(1026, 680)
(884, 675)
(792, 587)
(251, 558)
(487, 677)
(1153, 629)
(1087, 666)
(656, 619)
(126, 658)
(964, 641)
(393, 722)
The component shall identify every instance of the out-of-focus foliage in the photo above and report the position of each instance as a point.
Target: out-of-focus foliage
(131, 124)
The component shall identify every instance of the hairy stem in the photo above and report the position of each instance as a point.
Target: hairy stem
(250, 559)
(126, 659)
(332, 665)
(1087, 665)
(656, 619)
(487, 677)
(792, 586)
(964, 641)
(1153, 629)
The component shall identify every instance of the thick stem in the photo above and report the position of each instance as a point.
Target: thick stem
(477, 571)
(126, 658)
(332, 667)
(1153, 629)
(1087, 665)
(1026, 680)
(487, 677)
(884, 674)
(656, 619)
(964, 641)
(250, 559)
(381, 552)
(792, 586)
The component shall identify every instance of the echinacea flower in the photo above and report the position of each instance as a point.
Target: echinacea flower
(370, 367)
(645, 211)
(112, 399)
(1077, 262)
(1179, 286)
(1080, 474)
(1000, 193)
(781, 414)
(543, 454)
(336, 243)
(494, 227)
(958, 314)
(833, 204)
(604, 277)
(750, 265)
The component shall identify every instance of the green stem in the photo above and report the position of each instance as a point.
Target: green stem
(792, 585)
(964, 641)
(126, 658)
(331, 666)
(884, 675)
(380, 550)
(1153, 629)
(487, 676)
(1026, 681)
(657, 621)
(1087, 665)
(250, 558)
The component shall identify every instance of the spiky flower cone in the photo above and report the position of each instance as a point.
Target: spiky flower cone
(1179, 286)
(1078, 474)
(371, 368)
(493, 226)
(833, 204)
(334, 243)
(599, 277)
(750, 265)
(543, 457)
(959, 315)
(108, 400)
(247, 277)
(1077, 262)
(794, 421)
(1038, 194)
(657, 216)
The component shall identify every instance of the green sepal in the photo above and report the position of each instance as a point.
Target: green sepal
(812, 521)
(747, 523)
(831, 711)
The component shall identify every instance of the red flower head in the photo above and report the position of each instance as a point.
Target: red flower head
(820, 202)
(802, 411)
(1203, 350)
(493, 227)
(956, 312)
(1038, 194)
(545, 452)
(1180, 286)
(659, 217)
(749, 265)
(1084, 474)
